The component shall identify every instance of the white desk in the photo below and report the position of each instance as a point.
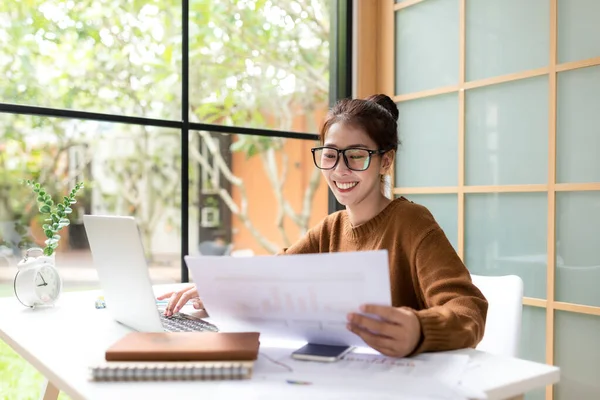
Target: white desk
(62, 342)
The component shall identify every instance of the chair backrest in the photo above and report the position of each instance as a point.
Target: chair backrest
(505, 307)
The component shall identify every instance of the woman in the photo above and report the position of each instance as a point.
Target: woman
(435, 305)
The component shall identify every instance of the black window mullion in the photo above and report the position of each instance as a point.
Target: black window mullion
(239, 130)
(340, 65)
(21, 109)
(185, 135)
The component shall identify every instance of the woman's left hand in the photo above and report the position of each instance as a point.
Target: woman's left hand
(396, 334)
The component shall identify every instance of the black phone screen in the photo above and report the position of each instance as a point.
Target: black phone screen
(321, 350)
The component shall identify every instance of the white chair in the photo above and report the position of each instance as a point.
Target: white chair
(505, 307)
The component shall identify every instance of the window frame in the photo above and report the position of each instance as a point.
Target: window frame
(340, 87)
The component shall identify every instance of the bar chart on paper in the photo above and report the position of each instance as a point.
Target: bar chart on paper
(309, 295)
(264, 295)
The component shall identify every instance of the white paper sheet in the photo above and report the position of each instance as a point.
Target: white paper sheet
(427, 376)
(292, 297)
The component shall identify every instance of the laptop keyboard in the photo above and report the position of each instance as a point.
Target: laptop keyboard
(185, 323)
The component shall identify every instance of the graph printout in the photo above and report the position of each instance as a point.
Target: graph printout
(292, 297)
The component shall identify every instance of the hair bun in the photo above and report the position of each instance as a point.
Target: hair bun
(387, 103)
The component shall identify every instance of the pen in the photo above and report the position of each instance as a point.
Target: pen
(291, 382)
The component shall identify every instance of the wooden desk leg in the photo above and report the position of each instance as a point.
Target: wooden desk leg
(49, 391)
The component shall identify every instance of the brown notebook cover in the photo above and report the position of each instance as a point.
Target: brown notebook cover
(185, 346)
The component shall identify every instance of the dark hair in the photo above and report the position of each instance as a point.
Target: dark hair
(377, 115)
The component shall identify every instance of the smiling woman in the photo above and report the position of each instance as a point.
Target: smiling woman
(361, 131)
(435, 306)
(353, 182)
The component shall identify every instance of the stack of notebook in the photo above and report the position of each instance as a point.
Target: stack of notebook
(145, 356)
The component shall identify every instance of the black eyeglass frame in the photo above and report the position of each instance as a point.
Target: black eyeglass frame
(343, 153)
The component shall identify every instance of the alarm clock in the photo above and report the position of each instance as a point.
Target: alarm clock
(37, 281)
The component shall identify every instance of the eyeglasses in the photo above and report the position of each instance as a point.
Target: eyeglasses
(356, 159)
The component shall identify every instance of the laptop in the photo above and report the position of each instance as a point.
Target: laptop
(119, 258)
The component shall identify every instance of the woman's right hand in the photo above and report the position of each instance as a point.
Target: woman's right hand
(179, 298)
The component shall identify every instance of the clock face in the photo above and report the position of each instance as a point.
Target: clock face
(47, 284)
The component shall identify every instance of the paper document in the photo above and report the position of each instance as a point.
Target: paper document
(427, 376)
(446, 368)
(292, 297)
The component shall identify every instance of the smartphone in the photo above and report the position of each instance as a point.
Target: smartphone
(321, 352)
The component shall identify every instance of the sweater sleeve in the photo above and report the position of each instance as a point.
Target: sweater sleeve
(455, 309)
(308, 243)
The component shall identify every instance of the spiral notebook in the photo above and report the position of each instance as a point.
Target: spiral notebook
(116, 371)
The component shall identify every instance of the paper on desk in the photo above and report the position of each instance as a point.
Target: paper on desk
(427, 376)
(294, 297)
(273, 390)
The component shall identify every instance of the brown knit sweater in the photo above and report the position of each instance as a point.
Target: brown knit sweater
(426, 274)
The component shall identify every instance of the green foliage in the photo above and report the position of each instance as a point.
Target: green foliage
(253, 145)
(253, 63)
(57, 214)
(18, 379)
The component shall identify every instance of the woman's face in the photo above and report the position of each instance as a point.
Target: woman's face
(353, 187)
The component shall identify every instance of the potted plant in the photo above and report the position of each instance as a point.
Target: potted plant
(57, 214)
(37, 281)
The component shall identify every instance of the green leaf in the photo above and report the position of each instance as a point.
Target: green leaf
(46, 227)
(68, 210)
(49, 233)
(40, 199)
(56, 237)
(50, 241)
(252, 151)
(45, 209)
(64, 221)
(60, 206)
(48, 251)
(237, 146)
(49, 202)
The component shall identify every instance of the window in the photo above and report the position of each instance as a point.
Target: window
(140, 102)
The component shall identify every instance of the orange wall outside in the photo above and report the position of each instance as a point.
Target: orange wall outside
(262, 204)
